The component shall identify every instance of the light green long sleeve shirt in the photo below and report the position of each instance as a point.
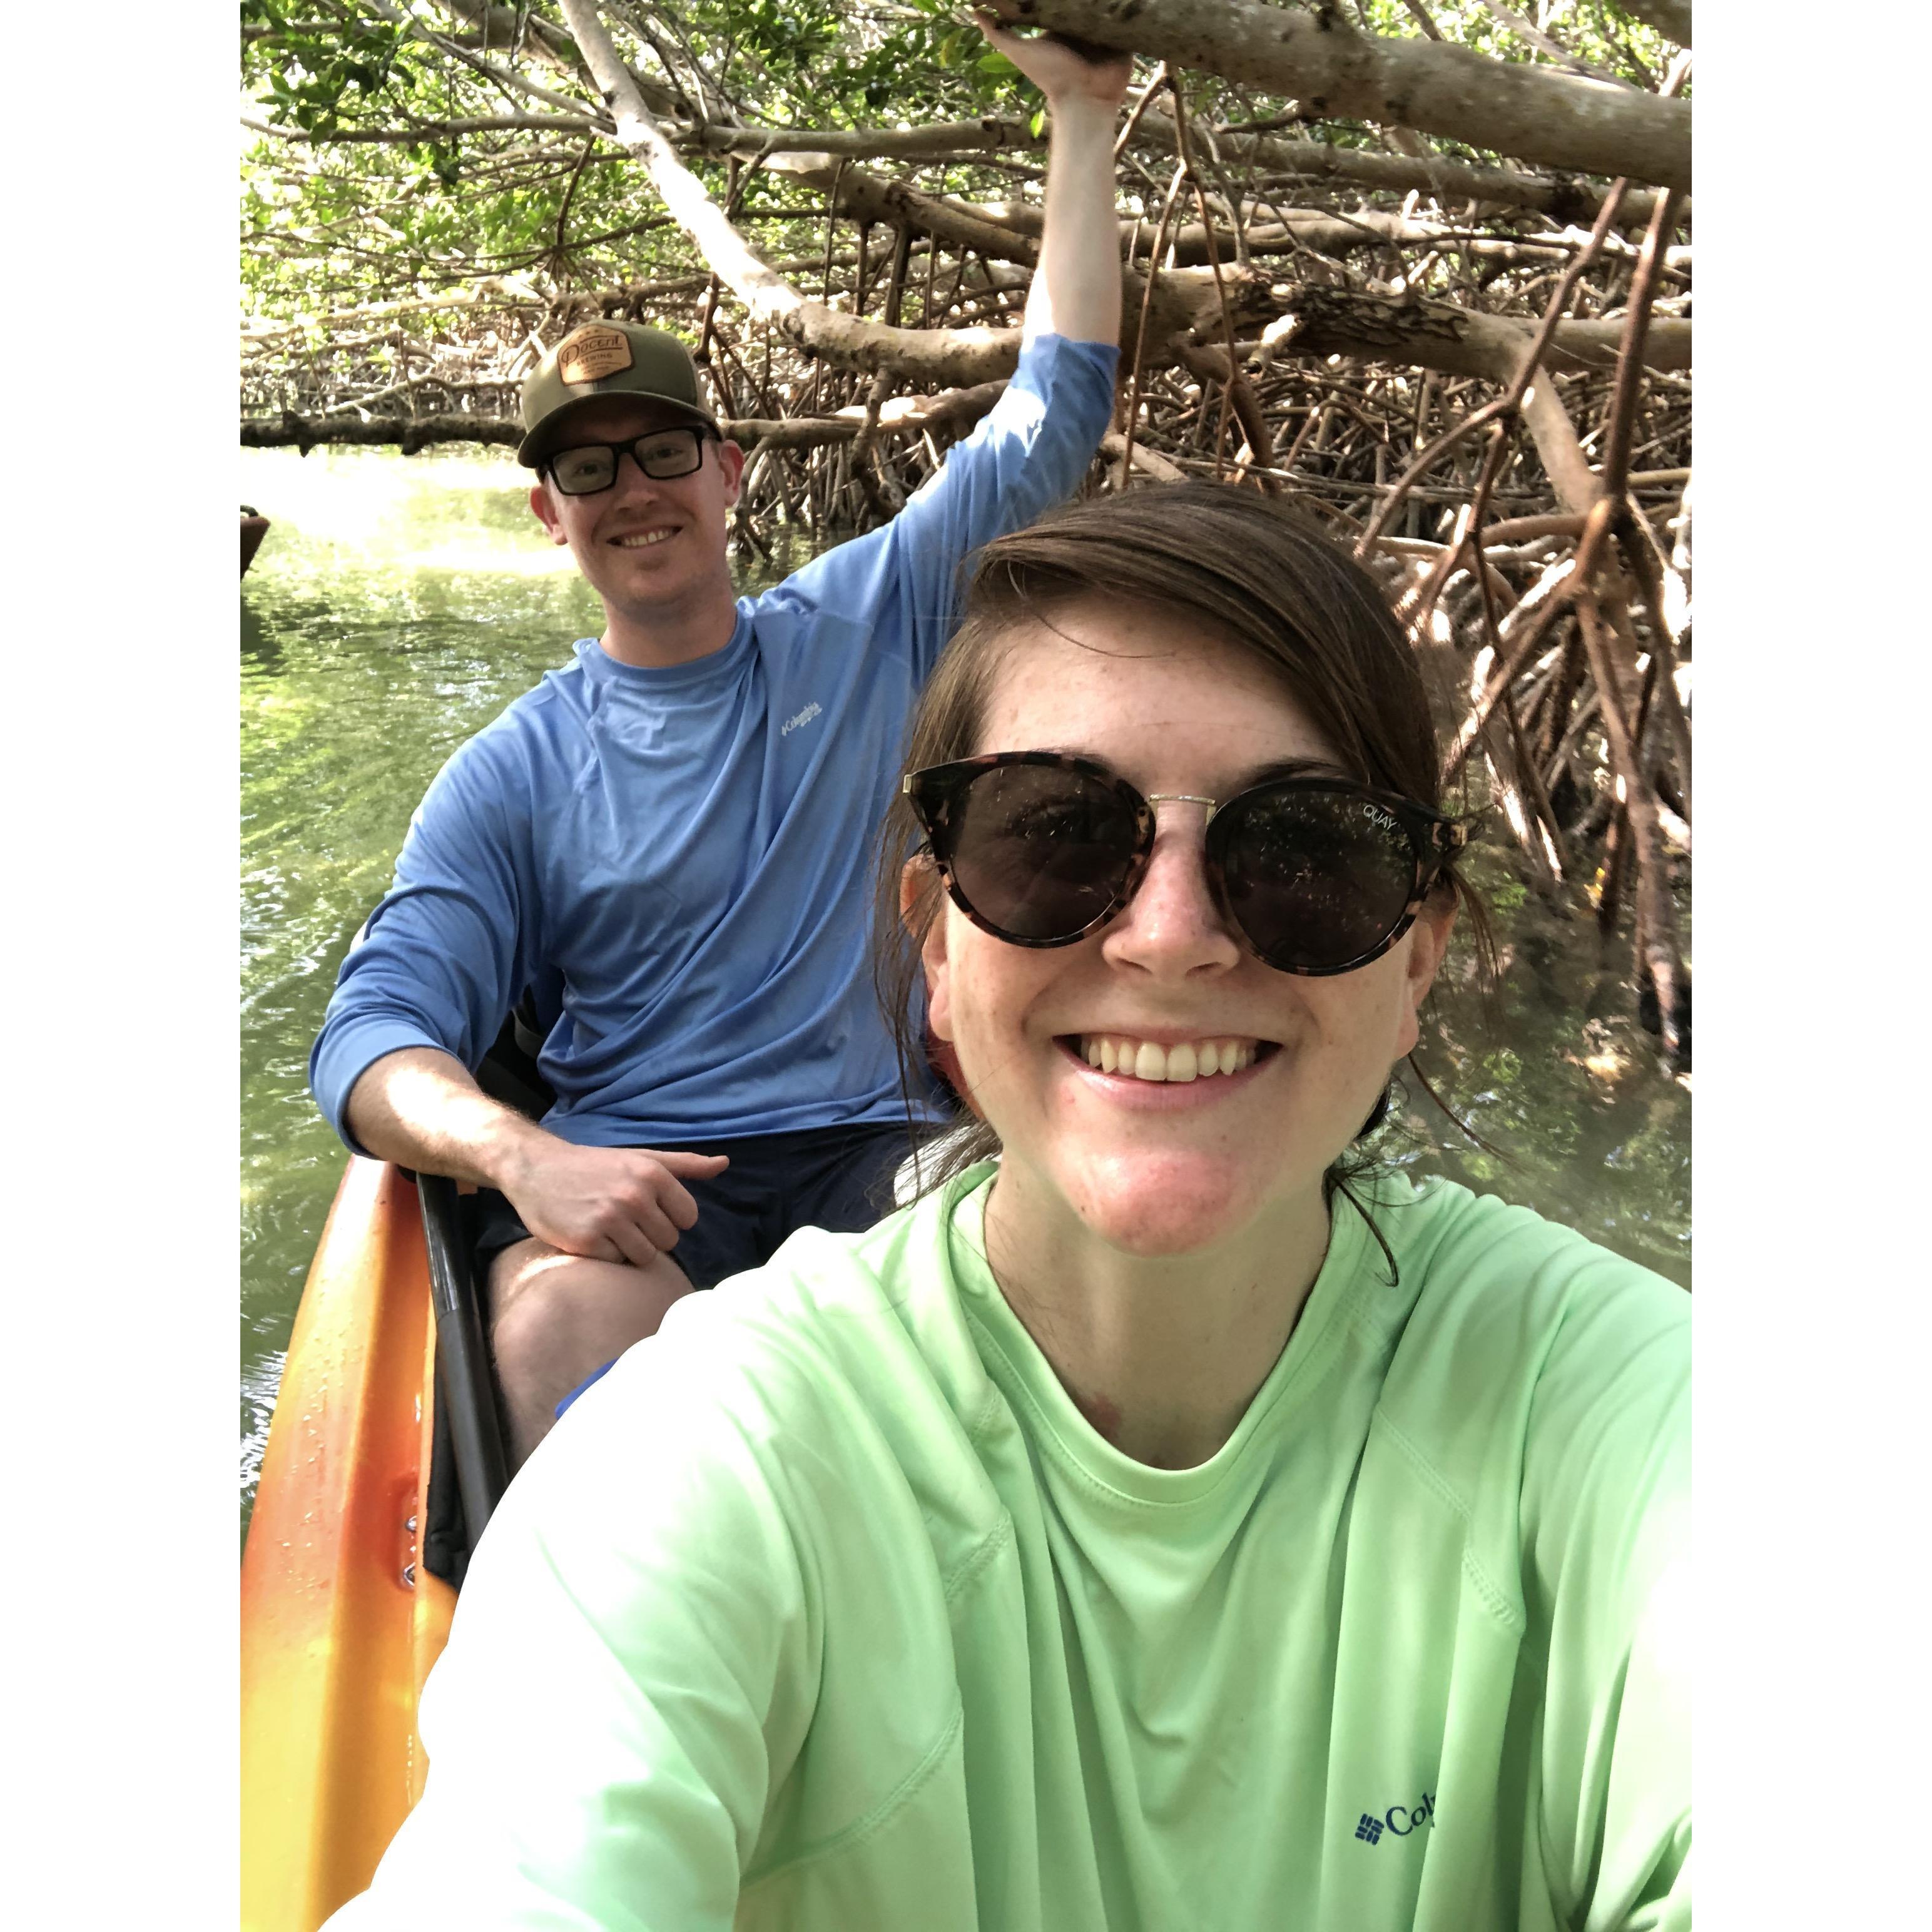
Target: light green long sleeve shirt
(826, 1610)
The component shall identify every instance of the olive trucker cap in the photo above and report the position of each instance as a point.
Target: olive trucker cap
(606, 359)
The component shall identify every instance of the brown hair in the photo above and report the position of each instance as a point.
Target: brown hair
(1266, 580)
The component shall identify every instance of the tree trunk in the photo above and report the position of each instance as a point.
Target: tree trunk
(1562, 120)
(1671, 18)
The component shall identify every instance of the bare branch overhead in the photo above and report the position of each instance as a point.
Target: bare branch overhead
(506, 30)
(1562, 120)
(1566, 199)
(1671, 18)
(922, 355)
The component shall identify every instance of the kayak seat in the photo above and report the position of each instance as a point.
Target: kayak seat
(508, 1073)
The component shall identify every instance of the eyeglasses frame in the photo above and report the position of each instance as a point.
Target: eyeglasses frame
(700, 433)
(934, 793)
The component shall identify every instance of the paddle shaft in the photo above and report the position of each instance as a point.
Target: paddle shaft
(463, 1380)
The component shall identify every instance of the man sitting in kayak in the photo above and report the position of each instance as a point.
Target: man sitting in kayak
(669, 839)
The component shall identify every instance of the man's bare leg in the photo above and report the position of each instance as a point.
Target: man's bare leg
(555, 1318)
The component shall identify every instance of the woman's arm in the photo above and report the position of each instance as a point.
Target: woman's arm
(629, 1675)
(1606, 1523)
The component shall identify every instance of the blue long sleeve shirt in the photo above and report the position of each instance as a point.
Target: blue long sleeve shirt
(678, 859)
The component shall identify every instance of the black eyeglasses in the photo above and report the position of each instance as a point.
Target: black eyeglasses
(1318, 876)
(588, 467)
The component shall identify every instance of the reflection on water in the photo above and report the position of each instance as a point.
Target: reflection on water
(398, 604)
(1553, 1072)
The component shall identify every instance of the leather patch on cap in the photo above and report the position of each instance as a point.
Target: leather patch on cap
(588, 353)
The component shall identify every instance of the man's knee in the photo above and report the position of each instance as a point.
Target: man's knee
(555, 1319)
(526, 1266)
(535, 1290)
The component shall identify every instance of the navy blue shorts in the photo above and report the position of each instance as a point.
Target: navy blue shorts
(839, 1178)
(836, 1177)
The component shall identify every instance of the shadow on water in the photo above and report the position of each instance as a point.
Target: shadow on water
(404, 601)
(260, 649)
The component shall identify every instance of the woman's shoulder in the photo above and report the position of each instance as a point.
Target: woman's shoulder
(838, 1337)
(1469, 1260)
(1508, 1330)
(864, 1298)
(812, 1404)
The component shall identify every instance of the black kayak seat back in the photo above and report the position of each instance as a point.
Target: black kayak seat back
(509, 1072)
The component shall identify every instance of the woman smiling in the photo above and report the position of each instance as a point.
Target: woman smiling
(1162, 1523)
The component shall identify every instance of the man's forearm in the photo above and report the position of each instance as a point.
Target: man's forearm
(420, 1108)
(1076, 288)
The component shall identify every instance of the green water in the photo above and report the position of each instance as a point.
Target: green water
(398, 604)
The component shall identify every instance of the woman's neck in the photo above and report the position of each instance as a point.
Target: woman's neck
(1162, 1354)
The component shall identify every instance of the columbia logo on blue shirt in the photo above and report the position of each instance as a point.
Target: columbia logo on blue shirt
(1399, 1820)
(804, 717)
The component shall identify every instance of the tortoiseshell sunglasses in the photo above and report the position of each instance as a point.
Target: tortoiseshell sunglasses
(1317, 875)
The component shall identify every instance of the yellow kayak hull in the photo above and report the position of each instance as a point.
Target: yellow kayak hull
(339, 1622)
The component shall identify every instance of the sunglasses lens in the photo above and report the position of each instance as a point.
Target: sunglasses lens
(1041, 853)
(580, 473)
(1316, 879)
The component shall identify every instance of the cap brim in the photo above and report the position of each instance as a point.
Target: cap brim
(540, 441)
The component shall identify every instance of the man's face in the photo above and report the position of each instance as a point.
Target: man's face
(648, 547)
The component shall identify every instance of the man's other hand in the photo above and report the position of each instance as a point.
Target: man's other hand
(607, 1204)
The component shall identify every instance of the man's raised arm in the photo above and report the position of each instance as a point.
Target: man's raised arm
(1076, 286)
(1030, 452)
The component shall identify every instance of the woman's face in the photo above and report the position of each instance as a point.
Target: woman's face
(1164, 1167)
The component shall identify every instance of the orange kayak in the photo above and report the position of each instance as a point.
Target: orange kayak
(340, 1621)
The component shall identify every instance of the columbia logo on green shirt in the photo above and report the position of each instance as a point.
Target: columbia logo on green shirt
(1411, 1818)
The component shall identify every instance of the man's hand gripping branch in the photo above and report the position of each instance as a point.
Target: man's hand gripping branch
(1076, 288)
